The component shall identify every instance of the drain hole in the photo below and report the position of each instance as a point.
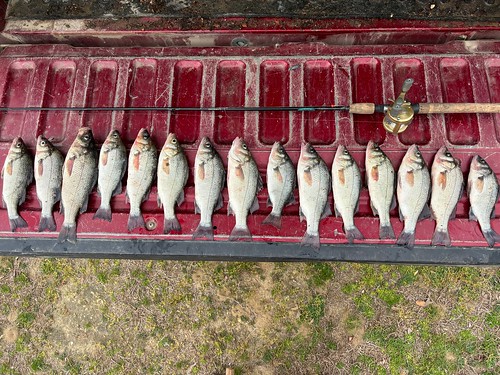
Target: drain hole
(151, 224)
(240, 42)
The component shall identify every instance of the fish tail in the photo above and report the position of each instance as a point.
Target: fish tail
(311, 240)
(204, 231)
(171, 225)
(240, 234)
(406, 239)
(47, 223)
(68, 233)
(491, 237)
(441, 237)
(17, 222)
(386, 232)
(103, 213)
(135, 221)
(353, 233)
(274, 220)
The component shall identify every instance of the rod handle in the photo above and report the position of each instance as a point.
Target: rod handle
(362, 108)
(459, 108)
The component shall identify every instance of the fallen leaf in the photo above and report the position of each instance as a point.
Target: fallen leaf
(422, 303)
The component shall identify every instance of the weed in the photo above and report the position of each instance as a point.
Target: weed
(25, 319)
(38, 363)
(493, 317)
(389, 296)
(364, 303)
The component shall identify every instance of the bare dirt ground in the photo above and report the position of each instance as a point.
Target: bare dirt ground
(113, 317)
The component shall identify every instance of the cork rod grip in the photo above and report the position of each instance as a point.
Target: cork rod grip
(459, 108)
(362, 108)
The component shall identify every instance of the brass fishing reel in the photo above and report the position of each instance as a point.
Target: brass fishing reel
(399, 113)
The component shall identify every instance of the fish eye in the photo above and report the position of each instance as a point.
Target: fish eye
(345, 152)
(418, 154)
(208, 145)
(145, 136)
(447, 154)
(115, 135)
(174, 141)
(42, 143)
(244, 146)
(19, 144)
(481, 160)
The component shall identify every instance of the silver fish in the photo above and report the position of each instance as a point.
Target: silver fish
(112, 165)
(346, 183)
(314, 186)
(48, 176)
(281, 179)
(380, 179)
(17, 174)
(142, 163)
(173, 172)
(447, 188)
(413, 190)
(79, 178)
(483, 191)
(243, 183)
(208, 184)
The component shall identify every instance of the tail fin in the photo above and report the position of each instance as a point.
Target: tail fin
(406, 239)
(240, 234)
(274, 220)
(311, 240)
(68, 233)
(135, 222)
(103, 213)
(204, 231)
(17, 222)
(492, 237)
(171, 225)
(353, 234)
(47, 222)
(386, 232)
(441, 238)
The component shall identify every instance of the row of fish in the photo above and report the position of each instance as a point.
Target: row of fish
(71, 180)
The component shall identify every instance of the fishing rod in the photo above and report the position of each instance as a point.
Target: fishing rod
(398, 114)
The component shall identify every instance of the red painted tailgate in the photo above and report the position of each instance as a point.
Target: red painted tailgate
(295, 75)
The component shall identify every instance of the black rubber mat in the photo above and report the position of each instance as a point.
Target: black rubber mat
(445, 10)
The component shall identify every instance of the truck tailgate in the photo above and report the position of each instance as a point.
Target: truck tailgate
(295, 74)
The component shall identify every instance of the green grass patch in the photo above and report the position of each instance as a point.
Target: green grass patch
(493, 317)
(364, 304)
(314, 310)
(25, 319)
(322, 273)
(389, 296)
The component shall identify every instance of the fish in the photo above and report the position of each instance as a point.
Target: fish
(48, 176)
(346, 184)
(447, 187)
(315, 184)
(79, 178)
(413, 189)
(243, 183)
(17, 174)
(112, 166)
(380, 178)
(483, 192)
(209, 176)
(173, 172)
(142, 163)
(281, 180)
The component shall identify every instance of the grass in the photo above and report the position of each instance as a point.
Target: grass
(115, 317)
